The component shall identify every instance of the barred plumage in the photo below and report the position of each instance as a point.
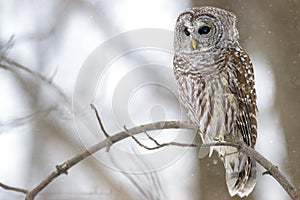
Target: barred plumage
(216, 84)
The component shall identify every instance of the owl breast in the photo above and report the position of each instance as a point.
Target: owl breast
(209, 102)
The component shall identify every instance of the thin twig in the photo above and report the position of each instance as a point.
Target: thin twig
(109, 143)
(7, 187)
(157, 143)
(99, 121)
(151, 138)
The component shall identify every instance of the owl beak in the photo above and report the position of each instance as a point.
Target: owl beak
(194, 44)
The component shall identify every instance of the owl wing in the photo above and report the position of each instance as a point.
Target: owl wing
(242, 86)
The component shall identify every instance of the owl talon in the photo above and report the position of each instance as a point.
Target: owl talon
(218, 138)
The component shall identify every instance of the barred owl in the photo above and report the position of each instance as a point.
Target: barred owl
(216, 84)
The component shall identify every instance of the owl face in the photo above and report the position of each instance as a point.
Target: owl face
(205, 28)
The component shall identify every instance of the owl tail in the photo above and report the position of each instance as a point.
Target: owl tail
(240, 174)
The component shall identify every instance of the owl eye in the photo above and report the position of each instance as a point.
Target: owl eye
(203, 30)
(186, 31)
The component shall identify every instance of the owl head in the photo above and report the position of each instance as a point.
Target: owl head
(201, 29)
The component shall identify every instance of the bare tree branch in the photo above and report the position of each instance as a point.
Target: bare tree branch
(64, 167)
